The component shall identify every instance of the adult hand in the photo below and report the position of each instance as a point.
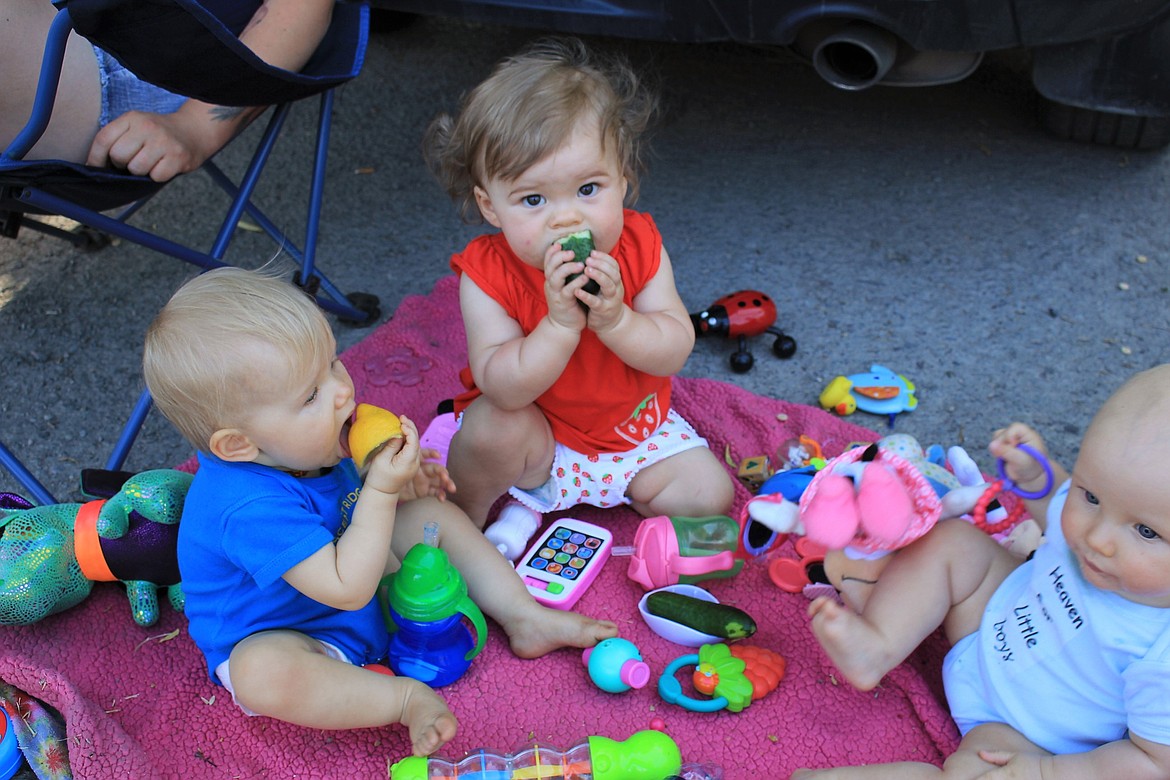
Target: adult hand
(160, 146)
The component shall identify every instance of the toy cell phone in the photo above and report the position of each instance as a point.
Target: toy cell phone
(564, 560)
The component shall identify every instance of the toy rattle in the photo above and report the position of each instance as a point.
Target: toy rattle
(1004, 485)
(736, 676)
(646, 755)
(615, 665)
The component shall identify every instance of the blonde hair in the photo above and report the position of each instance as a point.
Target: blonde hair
(196, 362)
(528, 107)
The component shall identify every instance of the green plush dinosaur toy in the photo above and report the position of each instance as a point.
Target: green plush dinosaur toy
(50, 556)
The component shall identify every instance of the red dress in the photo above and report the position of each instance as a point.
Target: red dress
(598, 404)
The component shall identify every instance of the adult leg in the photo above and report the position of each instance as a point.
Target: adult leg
(943, 579)
(533, 630)
(495, 449)
(23, 27)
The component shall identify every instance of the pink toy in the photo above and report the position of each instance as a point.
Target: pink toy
(668, 550)
(615, 665)
(866, 501)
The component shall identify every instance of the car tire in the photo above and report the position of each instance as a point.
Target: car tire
(1105, 128)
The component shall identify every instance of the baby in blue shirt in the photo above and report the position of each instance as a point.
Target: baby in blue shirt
(282, 545)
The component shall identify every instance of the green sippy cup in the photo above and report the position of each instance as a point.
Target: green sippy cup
(424, 604)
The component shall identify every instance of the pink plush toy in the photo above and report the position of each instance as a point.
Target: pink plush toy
(866, 501)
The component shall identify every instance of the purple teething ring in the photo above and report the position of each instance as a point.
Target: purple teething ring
(1043, 461)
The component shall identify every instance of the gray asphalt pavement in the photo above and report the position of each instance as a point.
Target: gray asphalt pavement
(936, 231)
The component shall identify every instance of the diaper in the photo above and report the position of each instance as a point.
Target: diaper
(602, 480)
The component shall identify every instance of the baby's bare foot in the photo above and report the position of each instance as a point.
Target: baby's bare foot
(540, 630)
(850, 642)
(426, 716)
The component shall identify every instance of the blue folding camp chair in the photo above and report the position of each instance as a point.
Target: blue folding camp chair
(189, 47)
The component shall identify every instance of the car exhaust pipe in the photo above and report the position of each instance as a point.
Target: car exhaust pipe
(856, 56)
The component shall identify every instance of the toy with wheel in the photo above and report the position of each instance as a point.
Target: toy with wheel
(742, 315)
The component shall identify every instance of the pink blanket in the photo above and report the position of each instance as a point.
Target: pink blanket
(138, 703)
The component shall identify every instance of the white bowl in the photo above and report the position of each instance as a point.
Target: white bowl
(677, 632)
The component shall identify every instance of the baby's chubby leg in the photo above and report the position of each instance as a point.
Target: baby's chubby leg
(533, 630)
(691, 483)
(286, 675)
(943, 579)
(494, 450)
(993, 739)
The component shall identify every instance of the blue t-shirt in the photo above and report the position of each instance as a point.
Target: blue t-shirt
(244, 526)
(1068, 665)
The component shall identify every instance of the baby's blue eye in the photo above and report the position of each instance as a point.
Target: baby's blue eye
(1091, 499)
(1145, 532)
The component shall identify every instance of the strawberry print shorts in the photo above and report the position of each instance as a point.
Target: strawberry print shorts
(602, 480)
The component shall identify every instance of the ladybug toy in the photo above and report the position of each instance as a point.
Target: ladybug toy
(742, 315)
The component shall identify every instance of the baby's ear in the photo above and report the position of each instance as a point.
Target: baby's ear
(231, 444)
(484, 203)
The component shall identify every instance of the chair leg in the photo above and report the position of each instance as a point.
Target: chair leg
(81, 237)
(25, 477)
(130, 432)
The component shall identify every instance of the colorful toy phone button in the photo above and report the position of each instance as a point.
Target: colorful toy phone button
(564, 560)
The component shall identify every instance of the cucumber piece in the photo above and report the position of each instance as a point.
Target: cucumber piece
(706, 617)
(581, 244)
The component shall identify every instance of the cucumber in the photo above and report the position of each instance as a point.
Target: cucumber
(706, 617)
(580, 244)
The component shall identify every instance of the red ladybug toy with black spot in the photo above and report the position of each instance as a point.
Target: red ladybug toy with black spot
(742, 315)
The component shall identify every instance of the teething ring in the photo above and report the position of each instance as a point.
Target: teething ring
(670, 689)
(1003, 484)
(1048, 476)
(979, 513)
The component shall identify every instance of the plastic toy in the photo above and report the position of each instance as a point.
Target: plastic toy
(677, 632)
(371, 430)
(872, 500)
(668, 550)
(615, 665)
(10, 755)
(646, 755)
(742, 315)
(50, 556)
(880, 391)
(756, 538)
(564, 561)
(424, 604)
(736, 676)
(754, 471)
(865, 501)
(438, 435)
(805, 574)
(1004, 484)
(800, 452)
